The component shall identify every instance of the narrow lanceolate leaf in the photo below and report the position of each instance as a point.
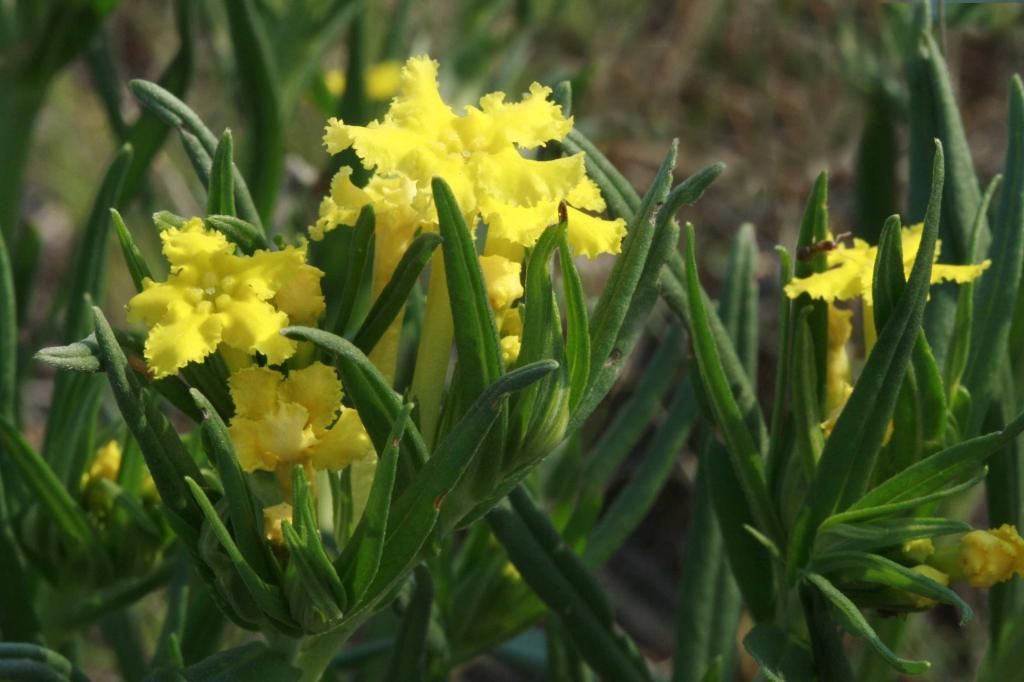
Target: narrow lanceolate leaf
(48, 491)
(396, 292)
(220, 197)
(378, 405)
(173, 112)
(242, 508)
(872, 535)
(997, 291)
(744, 455)
(137, 266)
(409, 656)
(576, 601)
(476, 336)
(8, 338)
(413, 515)
(242, 233)
(776, 457)
(358, 259)
(933, 473)
(267, 596)
(367, 544)
(638, 496)
(25, 661)
(856, 624)
(623, 201)
(860, 567)
(614, 304)
(168, 460)
(577, 332)
(258, 86)
(850, 452)
(814, 229)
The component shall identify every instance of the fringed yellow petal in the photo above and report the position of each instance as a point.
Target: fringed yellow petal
(502, 279)
(592, 236)
(187, 334)
(254, 391)
(961, 274)
(514, 224)
(344, 443)
(255, 326)
(316, 388)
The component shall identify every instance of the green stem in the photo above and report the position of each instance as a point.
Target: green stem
(317, 652)
(434, 351)
(21, 98)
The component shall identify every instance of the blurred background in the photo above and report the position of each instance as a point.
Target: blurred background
(778, 90)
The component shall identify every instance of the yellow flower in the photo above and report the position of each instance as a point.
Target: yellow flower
(838, 378)
(213, 296)
(479, 156)
(284, 421)
(382, 80)
(919, 550)
(850, 271)
(510, 347)
(991, 556)
(273, 517)
(935, 574)
(502, 279)
(106, 464)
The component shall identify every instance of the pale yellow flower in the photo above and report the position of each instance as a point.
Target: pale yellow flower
(295, 420)
(273, 517)
(213, 296)
(991, 556)
(382, 80)
(850, 272)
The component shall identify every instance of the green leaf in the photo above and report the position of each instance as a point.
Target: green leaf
(814, 229)
(872, 535)
(82, 356)
(744, 455)
(266, 596)
(8, 338)
(137, 266)
(614, 305)
(168, 460)
(409, 656)
(577, 333)
(853, 620)
(173, 112)
(623, 201)
(359, 260)
(50, 493)
(258, 87)
(636, 498)
(242, 233)
(932, 473)
(558, 583)
(706, 627)
(392, 298)
(809, 440)
(850, 452)
(960, 342)
(877, 159)
(476, 335)
(413, 514)
(996, 293)
(220, 197)
(871, 568)
(242, 507)
(781, 658)
(777, 453)
(25, 661)
(361, 558)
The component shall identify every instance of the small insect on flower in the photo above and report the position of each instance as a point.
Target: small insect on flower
(811, 250)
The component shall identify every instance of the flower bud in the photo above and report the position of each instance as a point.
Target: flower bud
(992, 556)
